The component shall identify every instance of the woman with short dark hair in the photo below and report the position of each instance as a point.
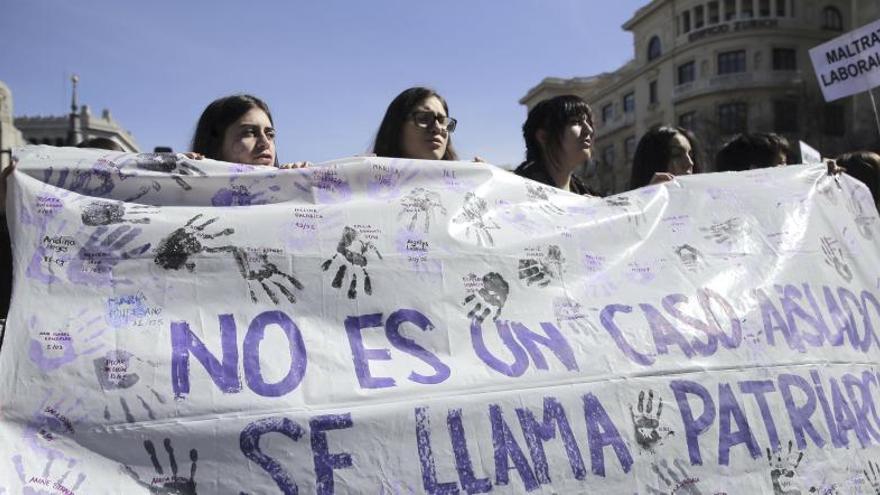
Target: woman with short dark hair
(236, 128)
(864, 166)
(416, 125)
(559, 138)
(663, 153)
(750, 151)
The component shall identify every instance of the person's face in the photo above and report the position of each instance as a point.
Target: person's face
(250, 140)
(429, 143)
(681, 156)
(780, 160)
(576, 142)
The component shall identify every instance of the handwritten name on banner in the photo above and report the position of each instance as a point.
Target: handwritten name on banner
(395, 326)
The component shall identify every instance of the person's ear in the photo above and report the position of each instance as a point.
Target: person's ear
(541, 136)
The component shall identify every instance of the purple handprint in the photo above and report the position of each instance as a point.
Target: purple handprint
(53, 418)
(386, 182)
(59, 348)
(245, 195)
(325, 184)
(44, 484)
(94, 263)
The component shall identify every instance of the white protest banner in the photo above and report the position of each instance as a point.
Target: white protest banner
(395, 326)
(848, 64)
(809, 155)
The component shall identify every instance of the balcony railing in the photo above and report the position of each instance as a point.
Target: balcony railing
(618, 122)
(740, 80)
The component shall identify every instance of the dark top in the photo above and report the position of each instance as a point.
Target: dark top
(537, 172)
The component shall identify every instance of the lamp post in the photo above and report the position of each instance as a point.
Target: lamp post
(74, 133)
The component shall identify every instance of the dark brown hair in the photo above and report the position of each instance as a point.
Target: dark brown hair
(388, 138)
(219, 115)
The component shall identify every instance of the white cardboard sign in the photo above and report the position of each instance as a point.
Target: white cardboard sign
(849, 64)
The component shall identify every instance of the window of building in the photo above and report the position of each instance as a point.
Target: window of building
(713, 12)
(629, 102)
(729, 10)
(748, 9)
(732, 62)
(607, 113)
(784, 59)
(687, 120)
(608, 155)
(652, 92)
(686, 73)
(59, 141)
(764, 8)
(834, 121)
(686, 21)
(732, 117)
(630, 148)
(832, 19)
(654, 48)
(699, 20)
(785, 116)
(780, 8)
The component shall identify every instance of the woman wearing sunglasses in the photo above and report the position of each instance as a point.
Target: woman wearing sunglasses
(416, 125)
(559, 139)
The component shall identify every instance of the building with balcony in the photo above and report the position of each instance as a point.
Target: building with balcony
(720, 67)
(55, 130)
(10, 137)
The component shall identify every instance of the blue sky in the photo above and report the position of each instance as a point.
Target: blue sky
(328, 69)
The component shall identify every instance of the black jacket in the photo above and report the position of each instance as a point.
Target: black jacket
(537, 172)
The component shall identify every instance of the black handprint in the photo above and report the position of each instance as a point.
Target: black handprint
(783, 469)
(256, 267)
(725, 232)
(646, 420)
(174, 251)
(542, 270)
(541, 194)
(623, 203)
(835, 258)
(95, 260)
(420, 202)
(169, 163)
(473, 214)
(167, 485)
(874, 477)
(689, 256)
(674, 482)
(356, 258)
(97, 213)
(492, 295)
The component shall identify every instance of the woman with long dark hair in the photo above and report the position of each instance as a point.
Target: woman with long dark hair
(559, 139)
(416, 125)
(663, 153)
(236, 128)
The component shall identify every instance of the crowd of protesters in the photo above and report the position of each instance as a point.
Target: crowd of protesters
(558, 134)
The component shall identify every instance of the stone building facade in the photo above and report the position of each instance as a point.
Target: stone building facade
(55, 130)
(10, 137)
(720, 67)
